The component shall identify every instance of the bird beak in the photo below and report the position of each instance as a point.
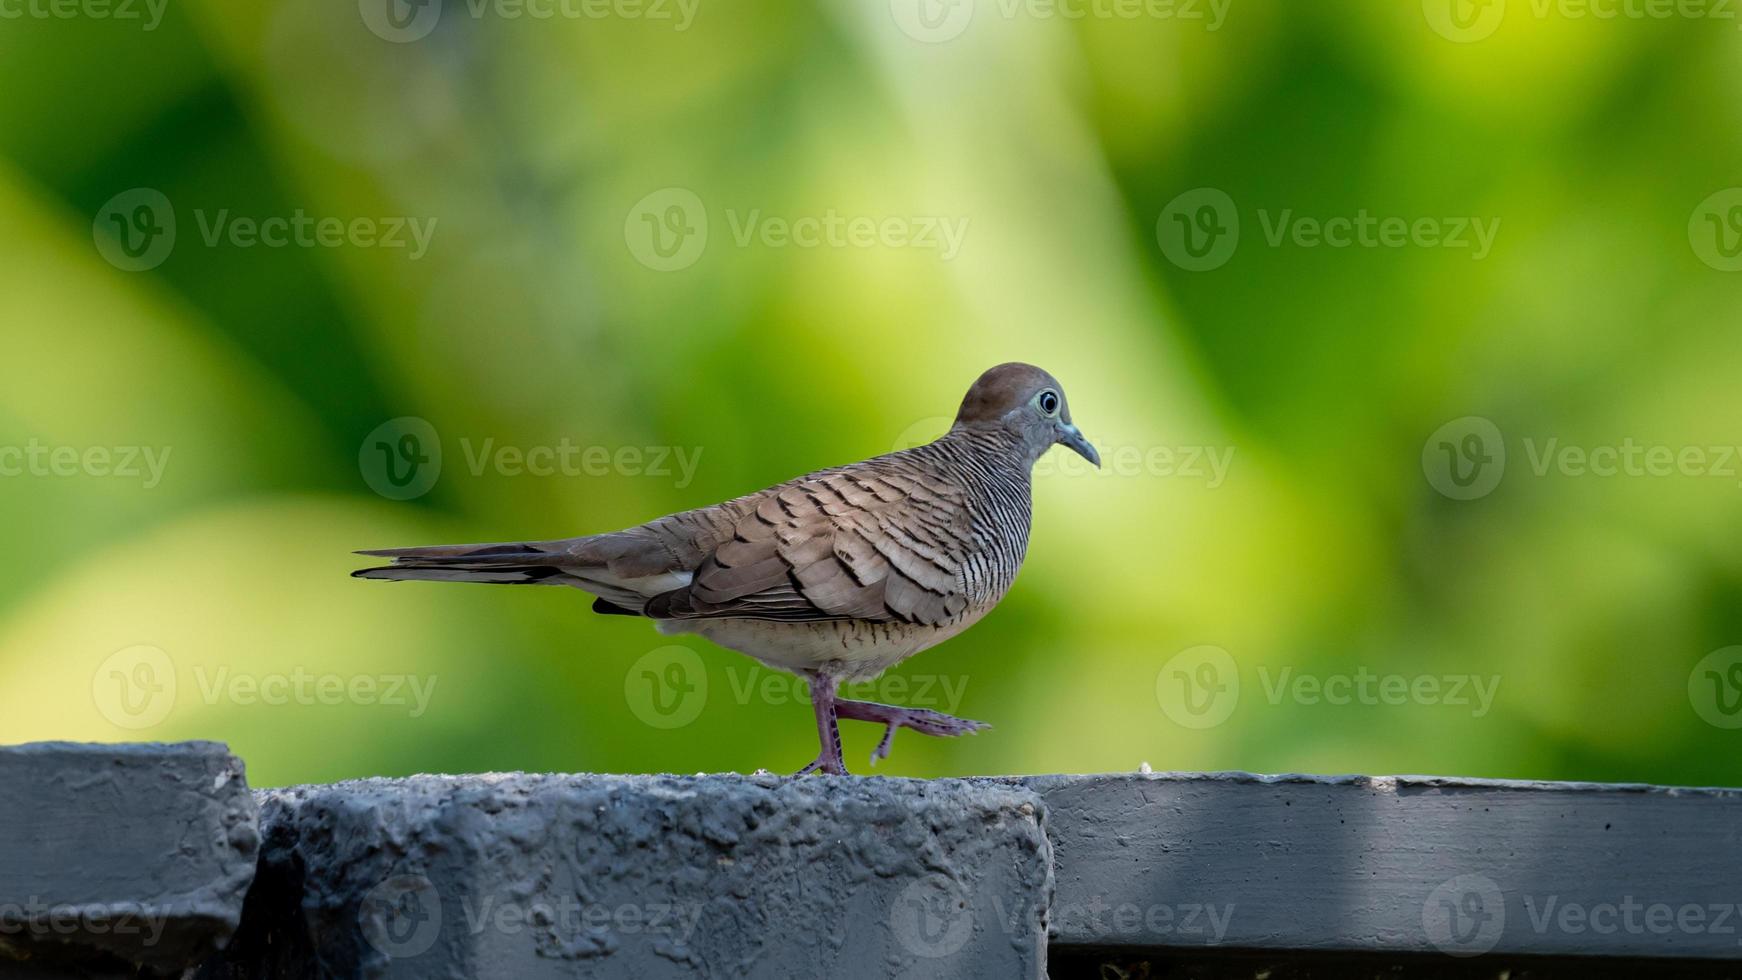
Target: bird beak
(1070, 435)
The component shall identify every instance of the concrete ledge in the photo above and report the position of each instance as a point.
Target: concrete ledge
(129, 859)
(121, 855)
(647, 876)
(1395, 865)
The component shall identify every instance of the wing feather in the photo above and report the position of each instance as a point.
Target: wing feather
(843, 544)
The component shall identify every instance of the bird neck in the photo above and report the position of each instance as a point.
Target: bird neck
(995, 468)
(991, 453)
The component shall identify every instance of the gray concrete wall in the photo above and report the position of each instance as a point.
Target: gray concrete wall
(121, 856)
(1454, 867)
(522, 876)
(155, 860)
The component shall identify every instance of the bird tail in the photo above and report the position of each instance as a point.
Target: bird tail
(515, 563)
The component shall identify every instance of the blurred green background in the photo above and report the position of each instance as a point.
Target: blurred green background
(213, 601)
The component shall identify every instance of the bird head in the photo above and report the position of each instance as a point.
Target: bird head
(1027, 403)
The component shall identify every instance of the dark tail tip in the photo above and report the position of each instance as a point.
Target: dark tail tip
(604, 608)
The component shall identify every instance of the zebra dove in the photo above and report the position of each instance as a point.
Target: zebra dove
(835, 576)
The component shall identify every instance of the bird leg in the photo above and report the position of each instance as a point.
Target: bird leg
(925, 722)
(823, 702)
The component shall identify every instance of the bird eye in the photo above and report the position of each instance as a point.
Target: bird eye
(1048, 402)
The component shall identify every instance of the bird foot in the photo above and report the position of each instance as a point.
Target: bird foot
(921, 720)
(825, 764)
(823, 700)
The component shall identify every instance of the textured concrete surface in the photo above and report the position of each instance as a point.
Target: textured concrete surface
(1405, 864)
(122, 857)
(529, 876)
(117, 857)
(1079, 963)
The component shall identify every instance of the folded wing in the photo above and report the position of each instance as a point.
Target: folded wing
(865, 542)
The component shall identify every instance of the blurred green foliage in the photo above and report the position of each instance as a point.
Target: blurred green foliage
(1056, 144)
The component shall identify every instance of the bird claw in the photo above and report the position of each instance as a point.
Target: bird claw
(921, 720)
(881, 752)
(824, 765)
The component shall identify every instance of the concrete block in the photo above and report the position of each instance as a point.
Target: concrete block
(1394, 864)
(530, 876)
(121, 857)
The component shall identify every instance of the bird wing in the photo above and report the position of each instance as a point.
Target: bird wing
(880, 543)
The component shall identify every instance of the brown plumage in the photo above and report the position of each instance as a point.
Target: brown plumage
(834, 576)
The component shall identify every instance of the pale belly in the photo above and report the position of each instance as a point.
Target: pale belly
(849, 651)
